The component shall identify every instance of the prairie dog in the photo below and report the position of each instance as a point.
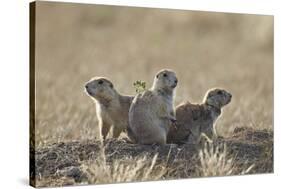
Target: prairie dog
(152, 112)
(111, 107)
(193, 120)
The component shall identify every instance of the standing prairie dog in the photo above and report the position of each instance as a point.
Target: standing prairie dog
(195, 120)
(111, 107)
(151, 113)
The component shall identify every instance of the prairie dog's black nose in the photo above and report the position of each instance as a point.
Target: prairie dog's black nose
(86, 86)
(176, 81)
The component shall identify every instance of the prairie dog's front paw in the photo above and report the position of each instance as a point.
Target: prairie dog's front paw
(173, 120)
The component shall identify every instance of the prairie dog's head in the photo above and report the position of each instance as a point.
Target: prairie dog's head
(217, 97)
(165, 79)
(100, 88)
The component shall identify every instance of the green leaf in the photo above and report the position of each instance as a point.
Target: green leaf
(140, 86)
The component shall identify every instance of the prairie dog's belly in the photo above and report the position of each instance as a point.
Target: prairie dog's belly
(115, 116)
(119, 118)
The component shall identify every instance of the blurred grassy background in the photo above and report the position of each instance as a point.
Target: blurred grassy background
(75, 42)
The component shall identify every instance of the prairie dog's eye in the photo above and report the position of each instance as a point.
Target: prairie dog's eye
(164, 75)
(100, 82)
(219, 92)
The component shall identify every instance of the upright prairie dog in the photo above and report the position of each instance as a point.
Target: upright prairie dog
(195, 120)
(111, 107)
(151, 113)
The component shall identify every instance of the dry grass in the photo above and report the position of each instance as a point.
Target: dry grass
(215, 161)
(127, 169)
(76, 42)
(92, 162)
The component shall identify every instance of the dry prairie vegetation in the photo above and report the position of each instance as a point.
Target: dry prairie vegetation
(246, 151)
(75, 42)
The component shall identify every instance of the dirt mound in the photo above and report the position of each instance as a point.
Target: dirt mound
(62, 161)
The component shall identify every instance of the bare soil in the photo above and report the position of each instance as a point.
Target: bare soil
(62, 161)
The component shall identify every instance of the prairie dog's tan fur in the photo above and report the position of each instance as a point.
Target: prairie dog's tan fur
(152, 112)
(193, 120)
(111, 107)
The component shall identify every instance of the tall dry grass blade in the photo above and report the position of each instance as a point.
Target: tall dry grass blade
(103, 170)
(215, 161)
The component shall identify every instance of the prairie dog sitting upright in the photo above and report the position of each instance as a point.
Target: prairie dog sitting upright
(112, 108)
(193, 120)
(152, 113)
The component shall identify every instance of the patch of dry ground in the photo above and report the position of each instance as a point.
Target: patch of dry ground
(248, 151)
